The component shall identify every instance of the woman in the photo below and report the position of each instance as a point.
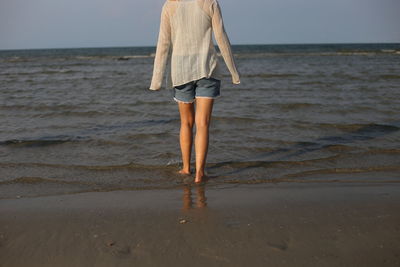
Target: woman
(186, 28)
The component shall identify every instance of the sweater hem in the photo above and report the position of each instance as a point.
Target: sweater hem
(214, 74)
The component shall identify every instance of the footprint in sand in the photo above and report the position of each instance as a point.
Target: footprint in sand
(279, 246)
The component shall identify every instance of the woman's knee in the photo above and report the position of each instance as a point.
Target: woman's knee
(202, 123)
(203, 112)
(187, 123)
(187, 115)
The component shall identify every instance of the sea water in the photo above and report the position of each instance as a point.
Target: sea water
(81, 120)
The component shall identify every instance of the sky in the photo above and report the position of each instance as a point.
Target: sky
(103, 23)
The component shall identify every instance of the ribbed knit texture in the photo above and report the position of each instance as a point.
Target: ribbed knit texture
(186, 29)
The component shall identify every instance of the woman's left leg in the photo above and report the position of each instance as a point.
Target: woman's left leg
(186, 111)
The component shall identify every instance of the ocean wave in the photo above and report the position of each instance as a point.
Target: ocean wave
(152, 103)
(81, 114)
(34, 186)
(36, 142)
(270, 75)
(44, 178)
(390, 51)
(110, 57)
(55, 71)
(221, 166)
(41, 107)
(361, 128)
(17, 59)
(338, 148)
(335, 53)
(389, 76)
(311, 181)
(130, 165)
(232, 165)
(21, 59)
(38, 180)
(49, 72)
(239, 120)
(392, 168)
(298, 105)
(145, 136)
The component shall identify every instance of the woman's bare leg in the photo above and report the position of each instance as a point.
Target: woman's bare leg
(203, 116)
(186, 111)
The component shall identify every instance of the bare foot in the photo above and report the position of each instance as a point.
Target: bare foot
(184, 172)
(199, 178)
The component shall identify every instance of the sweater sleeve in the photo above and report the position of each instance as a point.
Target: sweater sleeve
(162, 50)
(223, 41)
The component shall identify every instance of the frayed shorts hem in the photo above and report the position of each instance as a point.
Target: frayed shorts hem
(185, 102)
(190, 102)
(210, 97)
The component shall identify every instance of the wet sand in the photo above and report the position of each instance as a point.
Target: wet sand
(309, 224)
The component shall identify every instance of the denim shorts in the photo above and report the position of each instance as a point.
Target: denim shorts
(204, 87)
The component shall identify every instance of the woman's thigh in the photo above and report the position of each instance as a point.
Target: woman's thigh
(203, 111)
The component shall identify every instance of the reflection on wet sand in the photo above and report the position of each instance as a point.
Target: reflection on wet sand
(201, 200)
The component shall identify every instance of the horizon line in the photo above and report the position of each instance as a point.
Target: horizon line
(154, 46)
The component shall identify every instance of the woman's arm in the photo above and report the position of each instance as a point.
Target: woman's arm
(162, 51)
(223, 41)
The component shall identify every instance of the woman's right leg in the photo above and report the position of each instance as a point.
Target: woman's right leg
(187, 114)
(203, 116)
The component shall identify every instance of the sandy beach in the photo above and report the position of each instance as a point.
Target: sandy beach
(303, 224)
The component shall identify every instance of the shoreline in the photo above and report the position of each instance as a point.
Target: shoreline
(273, 224)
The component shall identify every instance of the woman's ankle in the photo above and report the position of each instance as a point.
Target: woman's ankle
(185, 170)
(199, 176)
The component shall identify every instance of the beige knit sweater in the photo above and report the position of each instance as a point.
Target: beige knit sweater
(186, 29)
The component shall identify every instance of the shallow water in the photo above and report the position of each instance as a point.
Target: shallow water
(78, 120)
